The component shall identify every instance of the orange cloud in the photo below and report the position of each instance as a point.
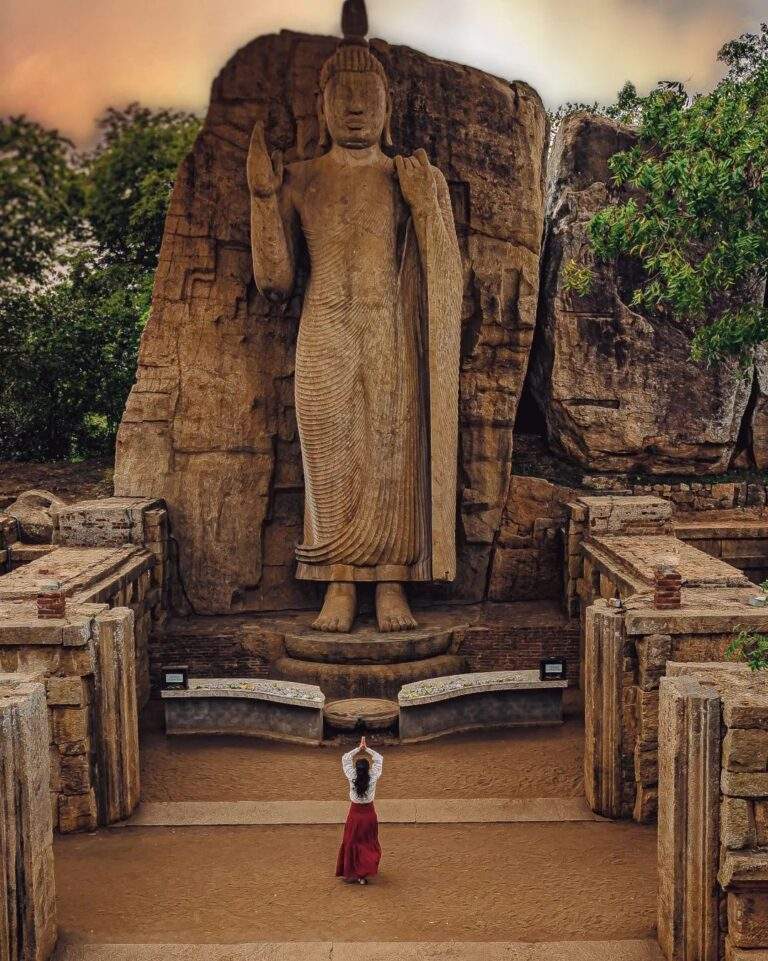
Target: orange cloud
(65, 60)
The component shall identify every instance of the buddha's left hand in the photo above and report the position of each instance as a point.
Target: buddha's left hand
(417, 182)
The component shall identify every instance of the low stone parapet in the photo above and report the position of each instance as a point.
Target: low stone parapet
(466, 702)
(257, 707)
(27, 890)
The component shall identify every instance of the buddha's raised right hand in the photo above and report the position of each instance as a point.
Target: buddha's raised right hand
(265, 173)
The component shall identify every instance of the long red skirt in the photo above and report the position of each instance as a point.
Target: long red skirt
(360, 853)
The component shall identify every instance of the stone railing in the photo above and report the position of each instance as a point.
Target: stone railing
(27, 891)
(713, 813)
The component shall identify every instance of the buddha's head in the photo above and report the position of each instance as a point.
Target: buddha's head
(354, 105)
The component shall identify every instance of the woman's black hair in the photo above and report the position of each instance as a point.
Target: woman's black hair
(362, 776)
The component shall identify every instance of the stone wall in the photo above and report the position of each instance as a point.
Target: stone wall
(613, 545)
(713, 813)
(515, 637)
(740, 540)
(618, 388)
(27, 889)
(502, 637)
(86, 662)
(111, 558)
(210, 424)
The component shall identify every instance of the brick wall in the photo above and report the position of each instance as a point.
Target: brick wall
(515, 648)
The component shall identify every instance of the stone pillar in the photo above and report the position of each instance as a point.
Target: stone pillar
(603, 710)
(117, 727)
(689, 826)
(27, 894)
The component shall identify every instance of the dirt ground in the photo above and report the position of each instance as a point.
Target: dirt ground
(70, 482)
(520, 763)
(525, 882)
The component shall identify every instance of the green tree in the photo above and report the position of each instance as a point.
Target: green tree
(697, 220)
(129, 180)
(626, 108)
(40, 200)
(80, 270)
(68, 357)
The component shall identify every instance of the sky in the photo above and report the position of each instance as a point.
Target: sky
(63, 61)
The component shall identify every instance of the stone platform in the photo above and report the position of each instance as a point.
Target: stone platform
(467, 702)
(247, 706)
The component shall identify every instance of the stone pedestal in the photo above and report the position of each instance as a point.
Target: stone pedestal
(366, 662)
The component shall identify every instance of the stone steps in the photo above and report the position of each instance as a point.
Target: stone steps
(367, 680)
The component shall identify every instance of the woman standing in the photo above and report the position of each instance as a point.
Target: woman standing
(360, 852)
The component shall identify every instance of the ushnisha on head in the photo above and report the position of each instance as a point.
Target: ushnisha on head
(354, 105)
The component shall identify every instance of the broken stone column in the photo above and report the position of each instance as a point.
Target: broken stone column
(27, 893)
(689, 826)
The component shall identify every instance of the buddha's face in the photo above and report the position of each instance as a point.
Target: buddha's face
(355, 106)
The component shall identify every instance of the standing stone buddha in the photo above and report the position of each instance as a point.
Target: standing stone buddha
(377, 358)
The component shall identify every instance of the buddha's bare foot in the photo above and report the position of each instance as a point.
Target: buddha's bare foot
(392, 610)
(339, 608)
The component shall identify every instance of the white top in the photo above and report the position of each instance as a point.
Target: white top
(348, 766)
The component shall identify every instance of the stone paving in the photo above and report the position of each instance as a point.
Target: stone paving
(369, 951)
(390, 811)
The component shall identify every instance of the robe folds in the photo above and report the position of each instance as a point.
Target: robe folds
(377, 411)
(377, 366)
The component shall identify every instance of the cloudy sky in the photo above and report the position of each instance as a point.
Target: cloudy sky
(62, 61)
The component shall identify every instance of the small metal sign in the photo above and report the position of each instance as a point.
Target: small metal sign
(175, 677)
(553, 669)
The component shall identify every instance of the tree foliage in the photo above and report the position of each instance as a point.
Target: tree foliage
(80, 239)
(130, 177)
(626, 108)
(697, 214)
(40, 200)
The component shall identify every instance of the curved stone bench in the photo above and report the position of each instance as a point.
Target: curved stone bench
(468, 702)
(255, 707)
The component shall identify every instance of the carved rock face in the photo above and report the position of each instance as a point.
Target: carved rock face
(210, 424)
(618, 388)
(355, 109)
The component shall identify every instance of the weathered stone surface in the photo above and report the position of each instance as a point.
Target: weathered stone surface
(761, 822)
(33, 511)
(210, 424)
(737, 829)
(748, 917)
(527, 557)
(27, 893)
(618, 388)
(745, 750)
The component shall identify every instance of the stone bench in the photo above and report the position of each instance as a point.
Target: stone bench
(467, 702)
(255, 707)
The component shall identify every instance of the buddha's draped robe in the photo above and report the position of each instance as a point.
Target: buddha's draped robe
(383, 288)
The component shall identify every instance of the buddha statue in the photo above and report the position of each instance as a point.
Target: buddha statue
(377, 356)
